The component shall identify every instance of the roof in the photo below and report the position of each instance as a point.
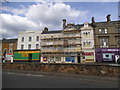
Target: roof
(9, 40)
(49, 32)
(107, 23)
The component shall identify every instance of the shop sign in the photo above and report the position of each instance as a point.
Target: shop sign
(107, 56)
(110, 50)
(44, 58)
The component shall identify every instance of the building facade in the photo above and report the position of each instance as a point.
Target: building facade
(28, 48)
(107, 40)
(65, 46)
(7, 47)
(29, 40)
(87, 40)
(27, 55)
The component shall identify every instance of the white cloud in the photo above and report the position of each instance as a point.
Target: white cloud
(62, 0)
(38, 16)
(51, 15)
(15, 11)
(12, 24)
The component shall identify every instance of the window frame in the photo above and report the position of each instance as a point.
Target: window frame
(29, 46)
(22, 39)
(103, 30)
(37, 38)
(102, 44)
(37, 45)
(30, 39)
(22, 46)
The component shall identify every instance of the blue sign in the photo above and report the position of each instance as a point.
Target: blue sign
(70, 59)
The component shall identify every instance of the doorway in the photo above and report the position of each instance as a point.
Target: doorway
(79, 59)
(30, 58)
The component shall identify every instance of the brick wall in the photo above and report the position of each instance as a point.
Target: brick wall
(85, 69)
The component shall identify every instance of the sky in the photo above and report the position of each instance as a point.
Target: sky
(21, 16)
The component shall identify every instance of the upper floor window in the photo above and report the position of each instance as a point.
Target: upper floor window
(104, 42)
(37, 46)
(37, 38)
(29, 46)
(22, 47)
(10, 45)
(87, 44)
(30, 39)
(118, 30)
(103, 30)
(86, 33)
(118, 41)
(22, 39)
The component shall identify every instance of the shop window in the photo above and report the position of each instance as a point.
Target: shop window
(107, 56)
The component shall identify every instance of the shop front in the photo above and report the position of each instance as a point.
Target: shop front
(88, 56)
(26, 56)
(107, 54)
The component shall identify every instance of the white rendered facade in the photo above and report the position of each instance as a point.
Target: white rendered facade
(29, 40)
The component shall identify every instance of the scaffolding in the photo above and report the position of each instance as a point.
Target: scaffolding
(67, 44)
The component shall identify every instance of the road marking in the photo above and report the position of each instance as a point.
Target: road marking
(25, 74)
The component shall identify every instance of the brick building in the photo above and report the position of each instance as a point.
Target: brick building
(107, 40)
(7, 47)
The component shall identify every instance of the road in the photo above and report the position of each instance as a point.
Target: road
(20, 80)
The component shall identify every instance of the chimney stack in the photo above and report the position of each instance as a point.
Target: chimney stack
(93, 22)
(45, 29)
(108, 17)
(64, 23)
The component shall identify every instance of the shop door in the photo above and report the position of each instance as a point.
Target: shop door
(30, 58)
(79, 59)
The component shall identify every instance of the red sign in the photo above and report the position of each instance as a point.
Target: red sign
(9, 54)
(88, 53)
